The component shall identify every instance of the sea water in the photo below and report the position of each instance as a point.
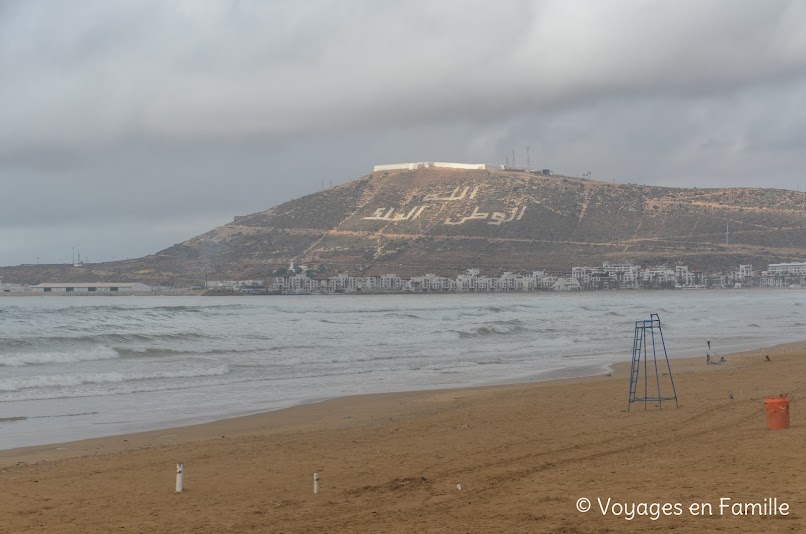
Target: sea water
(79, 367)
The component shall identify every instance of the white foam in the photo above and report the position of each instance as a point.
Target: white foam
(41, 358)
(278, 351)
(72, 380)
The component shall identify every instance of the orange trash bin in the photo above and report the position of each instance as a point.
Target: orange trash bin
(777, 411)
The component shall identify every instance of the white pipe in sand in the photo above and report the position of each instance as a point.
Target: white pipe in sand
(316, 482)
(180, 468)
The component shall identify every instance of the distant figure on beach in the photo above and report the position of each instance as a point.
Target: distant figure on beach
(708, 356)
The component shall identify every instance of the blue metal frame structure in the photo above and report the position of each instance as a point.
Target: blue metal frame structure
(644, 333)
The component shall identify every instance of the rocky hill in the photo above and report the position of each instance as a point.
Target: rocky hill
(444, 221)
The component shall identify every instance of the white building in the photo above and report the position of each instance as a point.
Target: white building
(746, 271)
(427, 164)
(683, 276)
(547, 282)
(566, 284)
(658, 275)
(299, 283)
(798, 269)
(507, 281)
(91, 287)
(343, 283)
(609, 276)
(432, 282)
(784, 274)
(744, 276)
(390, 282)
(771, 280)
(9, 288)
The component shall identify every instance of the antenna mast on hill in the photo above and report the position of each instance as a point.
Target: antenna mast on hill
(513, 157)
(527, 157)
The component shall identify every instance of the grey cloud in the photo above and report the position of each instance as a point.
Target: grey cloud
(189, 70)
(210, 109)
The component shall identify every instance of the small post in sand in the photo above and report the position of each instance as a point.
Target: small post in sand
(316, 482)
(180, 468)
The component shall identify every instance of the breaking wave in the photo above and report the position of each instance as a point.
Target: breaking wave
(40, 358)
(73, 380)
(495, 328)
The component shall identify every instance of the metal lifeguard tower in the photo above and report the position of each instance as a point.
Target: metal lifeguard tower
(643, 342)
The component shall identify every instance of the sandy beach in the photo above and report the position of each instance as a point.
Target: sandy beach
(522, 454)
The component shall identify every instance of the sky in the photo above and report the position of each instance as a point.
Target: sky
(127, 126)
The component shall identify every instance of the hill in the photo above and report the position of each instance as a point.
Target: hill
(410, 222)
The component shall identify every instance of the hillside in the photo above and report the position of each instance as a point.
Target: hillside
(444, 221)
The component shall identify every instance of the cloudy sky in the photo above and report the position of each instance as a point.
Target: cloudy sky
(128, 126)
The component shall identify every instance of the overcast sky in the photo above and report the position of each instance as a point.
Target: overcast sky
(128, 126)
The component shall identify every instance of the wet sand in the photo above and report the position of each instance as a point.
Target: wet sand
(522, 454)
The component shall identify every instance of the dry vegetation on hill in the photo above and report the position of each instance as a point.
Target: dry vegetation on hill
(501, 220)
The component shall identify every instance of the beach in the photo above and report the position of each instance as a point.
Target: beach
(511, 458)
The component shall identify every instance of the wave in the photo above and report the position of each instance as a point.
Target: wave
(103, 339)
(16, 342)
(171, 309)
(407, 316)
(151, 351)
(140, 386)
(73, 380)
(402, 311)
(42, 358)
(497, 328)
(455, 312)
(132, 312)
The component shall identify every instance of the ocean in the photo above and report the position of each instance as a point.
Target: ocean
(81, 367)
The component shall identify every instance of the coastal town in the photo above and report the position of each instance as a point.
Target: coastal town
(609, 276)
(303, 280)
